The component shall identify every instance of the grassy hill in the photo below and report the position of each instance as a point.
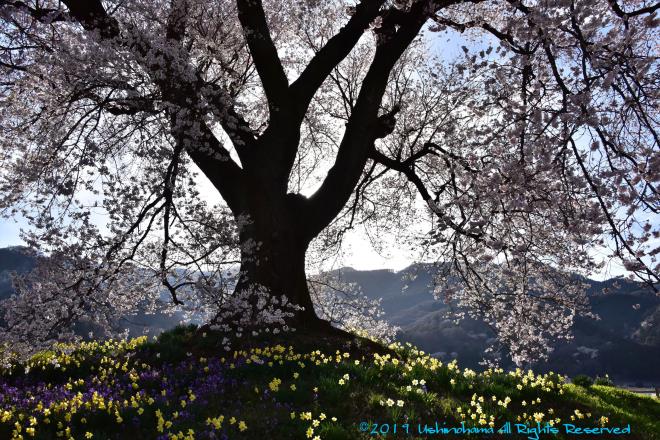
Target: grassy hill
(184, 385)
(630, 322)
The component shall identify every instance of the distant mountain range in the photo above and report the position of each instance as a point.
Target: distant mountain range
(624, 343)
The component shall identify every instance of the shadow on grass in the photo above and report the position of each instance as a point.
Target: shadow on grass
(642, 412)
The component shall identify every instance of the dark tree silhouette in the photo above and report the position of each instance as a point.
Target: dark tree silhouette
(531, 149)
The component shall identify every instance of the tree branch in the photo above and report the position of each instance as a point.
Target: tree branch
(43, 15)
(206, 151)
(273, 78)
(330, 55)
(363, 126)
(406, 168)
(93, 17)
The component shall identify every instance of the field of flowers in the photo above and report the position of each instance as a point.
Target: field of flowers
(184, 385)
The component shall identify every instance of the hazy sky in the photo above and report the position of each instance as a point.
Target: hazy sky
(359, 253)
(9, 233)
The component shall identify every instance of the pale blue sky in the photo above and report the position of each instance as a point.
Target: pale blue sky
(9, 230)
(358, 251)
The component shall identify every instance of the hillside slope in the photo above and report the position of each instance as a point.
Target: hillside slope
(407, 300)
(185, 386)
(596, 348)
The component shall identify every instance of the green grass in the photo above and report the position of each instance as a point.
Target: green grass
(642, 412)
(185, 385)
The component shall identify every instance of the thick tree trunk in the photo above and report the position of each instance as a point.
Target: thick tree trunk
(273, 247)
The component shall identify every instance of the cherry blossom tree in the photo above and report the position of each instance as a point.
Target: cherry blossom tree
(344, 305)
(530, 149)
